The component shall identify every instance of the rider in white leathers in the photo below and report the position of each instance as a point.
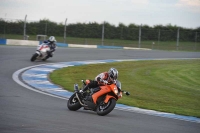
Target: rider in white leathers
(52, 45)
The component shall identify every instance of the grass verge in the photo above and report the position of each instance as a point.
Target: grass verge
(169, 85)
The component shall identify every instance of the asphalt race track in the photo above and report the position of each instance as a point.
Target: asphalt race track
(26, 111)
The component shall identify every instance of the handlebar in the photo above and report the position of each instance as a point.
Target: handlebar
(83, 82)
(126, 92)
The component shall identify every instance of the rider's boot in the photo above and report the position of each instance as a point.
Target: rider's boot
(89, 98)
(50, 55)
(90, 104)
(46, 58)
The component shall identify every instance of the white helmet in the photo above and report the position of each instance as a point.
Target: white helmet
(113, 73)
(52, 39)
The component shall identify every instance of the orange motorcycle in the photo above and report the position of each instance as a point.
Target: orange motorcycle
(102, 103)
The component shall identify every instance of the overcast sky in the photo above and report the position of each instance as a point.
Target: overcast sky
(184, 13)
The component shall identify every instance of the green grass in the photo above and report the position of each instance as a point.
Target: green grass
(161, 45)
(168, 86)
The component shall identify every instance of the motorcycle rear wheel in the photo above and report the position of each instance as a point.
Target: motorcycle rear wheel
(105, 108)
(73, 103)
(33, 58)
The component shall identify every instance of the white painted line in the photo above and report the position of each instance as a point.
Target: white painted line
(35, 75)
(38, 82)
(15, 77)
(43, 69)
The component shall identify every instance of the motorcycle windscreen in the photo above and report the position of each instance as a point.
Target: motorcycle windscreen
(119, 85)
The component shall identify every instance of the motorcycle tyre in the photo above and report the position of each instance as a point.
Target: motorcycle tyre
(73, 105)
(33, 58)
(108, 109)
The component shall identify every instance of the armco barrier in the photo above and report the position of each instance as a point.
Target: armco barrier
(36, 43)
(62, 45)
(2, 41)
(109, 47)
(136, 48)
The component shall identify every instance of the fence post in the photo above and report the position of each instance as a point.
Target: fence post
(158, 36)
(25, 28)
(195, 41)
(139, 44)
(5, 27)
(46, 28)
(102, 41)
(177, 43)
(65, 31)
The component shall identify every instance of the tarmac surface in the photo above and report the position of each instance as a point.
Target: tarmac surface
(23, 110)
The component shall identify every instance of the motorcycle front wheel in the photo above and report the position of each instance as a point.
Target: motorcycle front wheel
(105, 108)
(73, 103)
(33, 58)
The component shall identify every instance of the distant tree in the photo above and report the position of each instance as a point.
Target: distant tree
(94, 30)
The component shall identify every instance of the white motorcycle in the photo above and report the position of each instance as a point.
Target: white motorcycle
(41, 52)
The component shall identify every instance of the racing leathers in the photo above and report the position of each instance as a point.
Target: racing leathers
(52, 46)
(101, 79)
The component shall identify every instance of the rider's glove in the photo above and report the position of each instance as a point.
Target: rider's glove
(105, 82)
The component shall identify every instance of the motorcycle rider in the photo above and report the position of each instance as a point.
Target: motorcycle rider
(51, 42)
(103, 78)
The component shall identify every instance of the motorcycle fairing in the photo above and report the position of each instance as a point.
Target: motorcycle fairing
(104, 90)
(108, 97)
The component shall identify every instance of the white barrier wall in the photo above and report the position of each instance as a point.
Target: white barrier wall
(36, 43)
(82, 46)
(136, 48)
(22, 42)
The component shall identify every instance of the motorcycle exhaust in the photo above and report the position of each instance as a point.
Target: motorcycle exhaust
(77, 90)
(80, 101)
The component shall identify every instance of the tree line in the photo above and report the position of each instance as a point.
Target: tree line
(94, 30)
